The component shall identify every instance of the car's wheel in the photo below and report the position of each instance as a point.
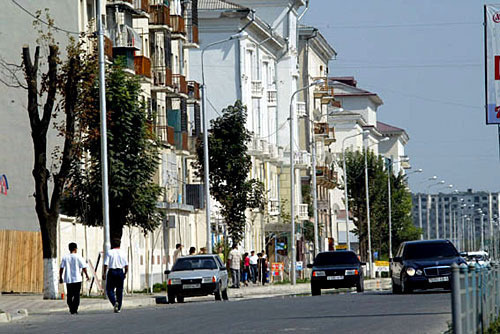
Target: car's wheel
(180, 299)
(360, 285)
(217, 292)
(224, 295)
(396, 289)
(405, 287)
(171, 298)
(315, 291)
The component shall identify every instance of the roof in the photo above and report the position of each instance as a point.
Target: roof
(348, 84)
(427, 241)
(383, 127)
(218, 5)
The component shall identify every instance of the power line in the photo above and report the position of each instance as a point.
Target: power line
(443, 65)
(408, 25)
(42, 21)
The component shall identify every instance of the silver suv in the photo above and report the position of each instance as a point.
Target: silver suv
(198, 275)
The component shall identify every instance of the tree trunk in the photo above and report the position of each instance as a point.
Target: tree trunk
(48, 227)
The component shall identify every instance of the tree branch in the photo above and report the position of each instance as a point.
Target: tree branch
(51, 93)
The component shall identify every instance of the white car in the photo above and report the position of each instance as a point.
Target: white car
(480, 257)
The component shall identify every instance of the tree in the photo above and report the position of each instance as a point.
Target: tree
(229, 168)
(59, 87)
(133, 158)
(402, 226)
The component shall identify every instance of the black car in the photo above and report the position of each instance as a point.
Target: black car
(338, 269)
(423, 264)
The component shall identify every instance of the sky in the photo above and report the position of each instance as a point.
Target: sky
(425, 59)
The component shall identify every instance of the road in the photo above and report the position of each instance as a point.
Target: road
(369, 312)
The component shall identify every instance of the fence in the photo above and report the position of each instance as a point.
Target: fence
(21, 261)
(475, 297)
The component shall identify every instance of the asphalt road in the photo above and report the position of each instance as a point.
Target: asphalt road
(369, 312)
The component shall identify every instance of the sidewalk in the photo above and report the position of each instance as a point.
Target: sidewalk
(20, 305)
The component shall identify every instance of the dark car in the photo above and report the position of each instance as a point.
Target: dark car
(338, 269)
(423, 264)
(198, 275)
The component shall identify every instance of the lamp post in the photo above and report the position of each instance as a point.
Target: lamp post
(420, 225)
(443, 214)
(366, 147)
(292, 176)
(346, 199)
(429, 203)
(391, 163)
(206, 167)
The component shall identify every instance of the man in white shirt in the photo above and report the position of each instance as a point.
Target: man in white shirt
(177, 252)
(253, 266)
(71, 265)
(115, 264)
(235, 265)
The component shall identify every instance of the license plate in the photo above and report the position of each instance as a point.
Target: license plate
(334, 278)
(191, 286)
(439, 279)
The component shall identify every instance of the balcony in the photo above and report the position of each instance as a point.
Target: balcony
(108, 47)
(178, 25)
(193, 35)
(179, 84)
(165, 134)
(253, 146)
(124, 36)
(323, 91)
(321, 130)
(302, 212)
(193, 90)
(274, 207)
(301, 109)
(162, 78)
(141, 7)
(302, 159)
(142, 66)
(159, 15)
(272, 97)
(256, 88)
(326, 177)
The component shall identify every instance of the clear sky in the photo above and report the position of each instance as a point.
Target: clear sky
(425, 60)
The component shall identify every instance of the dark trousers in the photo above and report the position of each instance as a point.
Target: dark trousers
(73, 296)
(253, 272)
(235, 276)
(114, 282)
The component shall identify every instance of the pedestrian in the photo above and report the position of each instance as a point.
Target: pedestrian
(262, 265)
(203, 250)
(235, 265)
(177, 252)
(192, 251)
(264, 255)
(253, 266)
(72, 264)
(246, 268)
(115, 264)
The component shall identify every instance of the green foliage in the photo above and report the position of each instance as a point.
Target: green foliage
(132, 157)
(402, 226)
(229, 168)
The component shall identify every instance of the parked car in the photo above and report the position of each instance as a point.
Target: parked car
(198, 275)
(338, 269)
(478, 257)
(423, 264)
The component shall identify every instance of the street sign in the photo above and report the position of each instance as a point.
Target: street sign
(382, 263)
(298, 266)
(340, 247)
(276, 268)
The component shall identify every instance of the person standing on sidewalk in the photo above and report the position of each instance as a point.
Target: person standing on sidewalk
(72, 264)
(246, 268)
(253, 266)
(115, 264)
(177, 253)
(235, 265)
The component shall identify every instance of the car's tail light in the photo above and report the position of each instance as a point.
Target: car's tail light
(214, 279)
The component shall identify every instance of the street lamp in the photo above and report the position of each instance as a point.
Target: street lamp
(403, 159)
(292, 175)
(429, 203)
(348, 242)
(366, 147)
(443, 213)
(205, 134)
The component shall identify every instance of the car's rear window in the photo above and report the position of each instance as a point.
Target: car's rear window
(429, 250)
(333, 258)
(187, 263)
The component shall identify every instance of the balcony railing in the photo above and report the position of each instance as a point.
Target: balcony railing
(321, 129)
(162, 76)
(274, 207)
(256, 88)
(301, 109)
(272, 97)
(165, 134)
(326, 177)
(193, 90)
(302, 211)
(159, 15)
(142, 66)
(179, 83)
(178, 24)
(124, 36)
(192, 34)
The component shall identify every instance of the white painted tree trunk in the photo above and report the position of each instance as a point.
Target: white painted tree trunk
(50, 278)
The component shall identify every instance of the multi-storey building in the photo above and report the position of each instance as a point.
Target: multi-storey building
(454, 211)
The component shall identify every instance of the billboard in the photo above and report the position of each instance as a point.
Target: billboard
(492, 62)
